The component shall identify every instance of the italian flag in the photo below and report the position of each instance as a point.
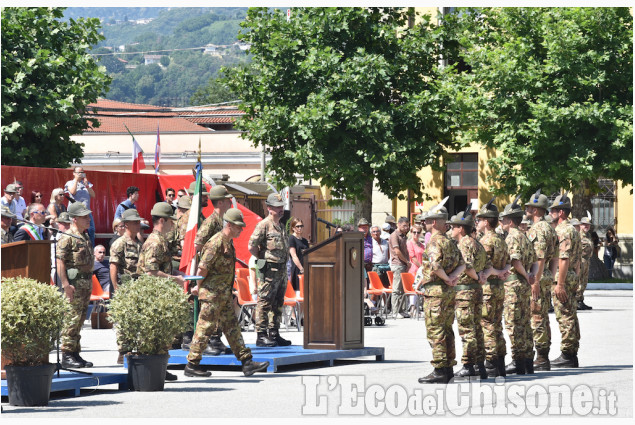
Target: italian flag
(188, 254)
(137, 155)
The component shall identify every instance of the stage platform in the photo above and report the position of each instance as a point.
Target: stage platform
(283, 356)
(71, 383)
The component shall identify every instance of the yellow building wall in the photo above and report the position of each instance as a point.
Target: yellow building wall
(624, 210)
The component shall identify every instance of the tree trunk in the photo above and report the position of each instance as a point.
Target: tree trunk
(364, 208)
(581, 200)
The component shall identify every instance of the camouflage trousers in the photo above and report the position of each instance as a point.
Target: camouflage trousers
(517, 318)
(584, 279)
(271, 290)
(468, 306)
(69, 341)
(438, 311)
(567, 316)
(217, 310)
(540, 316)
(492, 320)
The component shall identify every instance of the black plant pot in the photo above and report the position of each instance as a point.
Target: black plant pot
(29, 385)
(147, 372)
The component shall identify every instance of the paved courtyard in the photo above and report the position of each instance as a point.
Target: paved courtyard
(602, 386)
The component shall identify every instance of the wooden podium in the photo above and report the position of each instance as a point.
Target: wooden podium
(333, 292)
(27, 259)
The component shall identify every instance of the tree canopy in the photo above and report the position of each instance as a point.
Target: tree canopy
(550, 88)
(48, 79)
(346, 96)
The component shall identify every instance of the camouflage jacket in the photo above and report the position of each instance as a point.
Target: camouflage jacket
(496, 249)
(442, 253)
(475, 258)
(272, 241)
(587, 246)
(212, 225)
(76, 253)
(570, 245)
(6, 237)
(155, 255)
(124, 253)
(218, 257)
(544, 240)
(520, 249)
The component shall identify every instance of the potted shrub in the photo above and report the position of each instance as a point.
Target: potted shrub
(148, 313)
(33, 314)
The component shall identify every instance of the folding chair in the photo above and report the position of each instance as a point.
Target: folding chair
(242, 273)
(377, 288)
(408, 280)
(98, 297)
(247, 305)
(291, 302)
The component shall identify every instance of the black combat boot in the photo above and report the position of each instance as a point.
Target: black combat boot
(216, 343)
(565, 360)
(491, 367)
(501, 366)
(275, 335)
(437, 376)
(517, 366)
(187, 340)
(466, 371)
(69, 360)
(583, 306)
(529, 366)
(192, 369)
(542, 361)
(263, 340)
(482, 371)
(170, 376)
(250, 367)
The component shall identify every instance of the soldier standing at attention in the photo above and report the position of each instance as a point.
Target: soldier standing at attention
(269, 242)
(217, 266)
(493, 290)
(75, 268)
(469, 295)
(518, 292)
(566, 285)
(587, 253)
(154, 258)
(440, 275)
(221, 200)
(545, 243)
(124, 258)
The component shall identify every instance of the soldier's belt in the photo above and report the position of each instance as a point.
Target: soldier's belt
(515, 276)
(494, 281)
(466, 287)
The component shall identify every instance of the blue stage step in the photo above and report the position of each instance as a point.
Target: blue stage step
(282, 356)
(72, 382)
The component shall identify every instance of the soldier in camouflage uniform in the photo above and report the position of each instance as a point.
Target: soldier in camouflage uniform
(221, 200)
(440, 275)
(587, 253)
(469, 295)
(493, 289)
(218, 258)
(7, 218)
(269, 242)
(545, 243)
(518, 292)
(155, 258)
(75, 261)
(566, 285)
(124, 256)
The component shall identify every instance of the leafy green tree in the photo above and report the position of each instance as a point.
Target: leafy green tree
(552, 90)
(346, 96)
(216, 91)
(48, 79)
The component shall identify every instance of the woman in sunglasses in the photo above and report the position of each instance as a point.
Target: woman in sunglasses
(297, 245)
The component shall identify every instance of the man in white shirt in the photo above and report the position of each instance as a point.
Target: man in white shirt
(19, 200)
